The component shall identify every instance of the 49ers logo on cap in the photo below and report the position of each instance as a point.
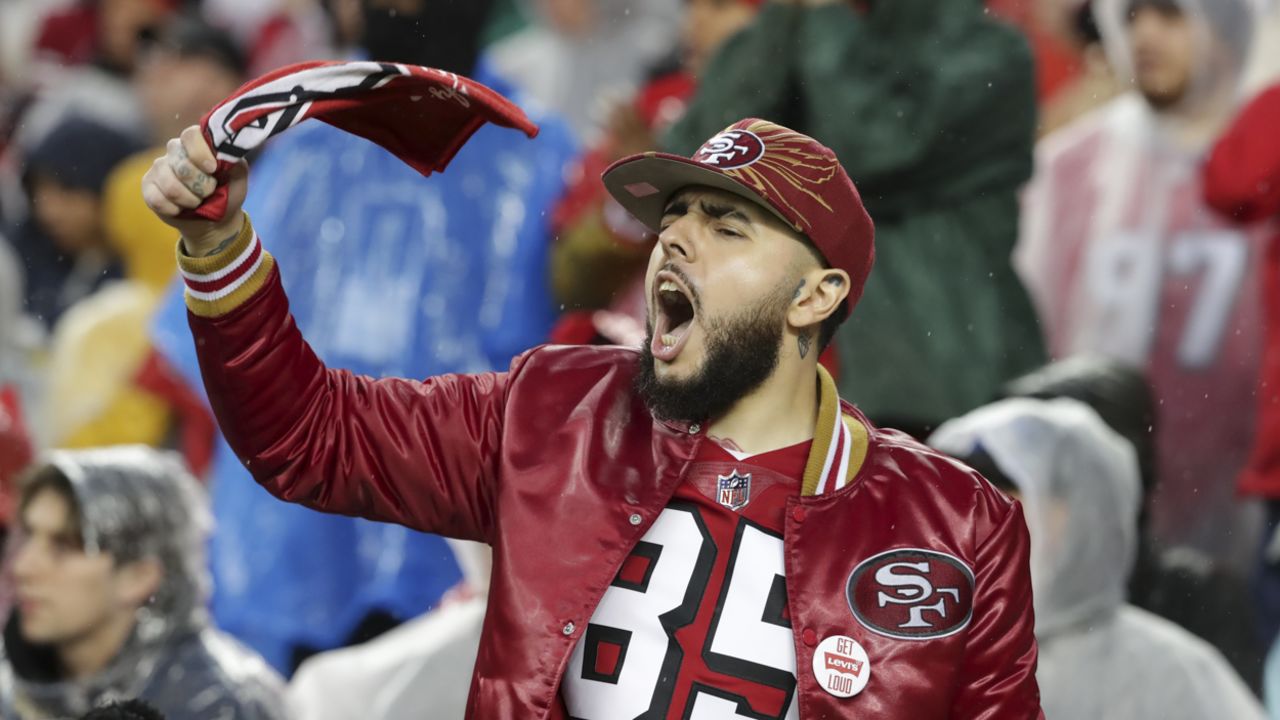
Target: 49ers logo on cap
(731, 149)
(912, 594)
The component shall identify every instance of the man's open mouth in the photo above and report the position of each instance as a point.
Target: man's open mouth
(675, 316)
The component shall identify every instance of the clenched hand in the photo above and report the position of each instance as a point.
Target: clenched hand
(181, 179)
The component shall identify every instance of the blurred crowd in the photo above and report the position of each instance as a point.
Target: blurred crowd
(1076, 290)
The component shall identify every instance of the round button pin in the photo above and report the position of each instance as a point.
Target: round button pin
(841, 666)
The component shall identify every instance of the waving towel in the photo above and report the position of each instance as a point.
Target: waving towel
(420, 114)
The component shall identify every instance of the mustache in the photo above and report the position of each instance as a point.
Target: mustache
(694, 297)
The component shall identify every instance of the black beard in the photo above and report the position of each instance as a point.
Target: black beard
(742, 352)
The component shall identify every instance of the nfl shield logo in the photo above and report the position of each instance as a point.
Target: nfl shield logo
(734, 490)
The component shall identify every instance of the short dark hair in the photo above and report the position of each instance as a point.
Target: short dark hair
(48, 478)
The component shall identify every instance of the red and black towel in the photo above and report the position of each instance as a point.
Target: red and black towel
(421, 114)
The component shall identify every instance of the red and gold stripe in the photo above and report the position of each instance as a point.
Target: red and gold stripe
(219, 283)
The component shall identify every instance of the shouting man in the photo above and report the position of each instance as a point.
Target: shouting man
(698, 529)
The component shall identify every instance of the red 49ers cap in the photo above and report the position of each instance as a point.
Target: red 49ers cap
(789, 174)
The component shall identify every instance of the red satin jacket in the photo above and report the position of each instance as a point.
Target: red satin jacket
(561, 468)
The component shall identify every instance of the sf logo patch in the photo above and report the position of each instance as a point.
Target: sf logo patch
(912, 594)
(731, 149)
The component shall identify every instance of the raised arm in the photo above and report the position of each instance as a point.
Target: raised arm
(422, 454)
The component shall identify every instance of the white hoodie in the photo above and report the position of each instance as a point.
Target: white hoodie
(1100, 658)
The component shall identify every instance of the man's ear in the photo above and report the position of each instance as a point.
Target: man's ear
(819, 294)
(137, 581)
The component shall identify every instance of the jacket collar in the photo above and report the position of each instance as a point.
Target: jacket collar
(840, 443)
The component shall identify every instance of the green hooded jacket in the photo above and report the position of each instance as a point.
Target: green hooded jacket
(930, 106)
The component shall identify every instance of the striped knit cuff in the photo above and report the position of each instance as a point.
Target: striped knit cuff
(222, 282)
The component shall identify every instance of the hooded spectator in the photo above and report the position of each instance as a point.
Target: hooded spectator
(63, 242)
(111, 590)
(1180, 584)
(1125, 259)
(1100, 657)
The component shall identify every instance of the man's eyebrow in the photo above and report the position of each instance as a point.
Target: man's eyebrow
(723, 211)
(678, 207)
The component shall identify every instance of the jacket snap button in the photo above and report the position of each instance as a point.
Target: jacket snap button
(810, 637)
(798, 515)
(568, 628)
(636, 519)
(694, 428)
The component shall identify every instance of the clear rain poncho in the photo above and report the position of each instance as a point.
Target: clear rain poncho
(136, 502)
(1124, 259)
(1223, 33)
(1100, 658)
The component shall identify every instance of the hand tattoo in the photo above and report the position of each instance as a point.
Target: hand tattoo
(191, 176)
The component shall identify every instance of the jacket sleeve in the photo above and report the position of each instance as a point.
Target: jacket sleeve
(421, 454)
(1242, 176)
(998, 678)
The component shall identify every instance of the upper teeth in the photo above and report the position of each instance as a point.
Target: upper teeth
(668, 285)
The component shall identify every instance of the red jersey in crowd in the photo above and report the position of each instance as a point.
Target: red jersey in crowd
(1242, 180)
(1124, 258)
